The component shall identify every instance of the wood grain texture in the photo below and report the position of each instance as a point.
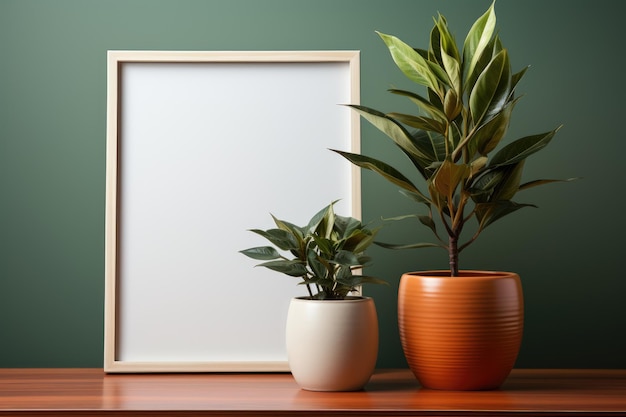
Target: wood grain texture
(79, 392)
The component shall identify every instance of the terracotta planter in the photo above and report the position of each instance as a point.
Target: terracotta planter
(332, 345)
(461, 333)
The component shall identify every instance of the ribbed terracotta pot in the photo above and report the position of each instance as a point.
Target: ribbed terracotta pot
(461, 333)
(332, 345)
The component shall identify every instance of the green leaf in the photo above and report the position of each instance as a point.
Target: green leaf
(418, 198)
(477, 165)
(492, 89)
(281, 238)
(489, 135)
(449, 57)
(453, 70)
(499, 184)
(478, 38)
(353, 281)
(434, 53)
(346, 225)
(364, 259)
(487, 213)
(293, 268)
(422, 103)
(327, 224)
(398, 218)
(411, 63)
(452, 105)
(387, 171)
(454, 138)
(290, 228)
(434, 145)
(515, 79)
(428, 222)
(359, 242)
(440, 74)
(509, 182)
(324, 245)
(483, 186)
(435, 99)
(363, 279)
(262, 253)
(491, 50)
(325, 283)
(393, 129)
(316, 219)
(522, 148)
(419, 122)
(409, 246)
(537, 183)
(318, 268)
(346, 258)
(448, 178)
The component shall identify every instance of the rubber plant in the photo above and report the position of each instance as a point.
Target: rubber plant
(453, 139)
(325, 253)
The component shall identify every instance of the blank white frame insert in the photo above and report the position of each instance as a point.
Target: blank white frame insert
(201, 147)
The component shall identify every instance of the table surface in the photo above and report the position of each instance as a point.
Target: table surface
(389, 393)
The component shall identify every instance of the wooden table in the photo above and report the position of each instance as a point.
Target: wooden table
(74, 392)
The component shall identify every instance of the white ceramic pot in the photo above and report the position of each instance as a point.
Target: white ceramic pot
(332, 345)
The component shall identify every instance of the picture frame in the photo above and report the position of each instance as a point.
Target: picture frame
(201, 147)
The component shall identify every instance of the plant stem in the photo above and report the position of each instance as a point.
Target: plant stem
(453, 252)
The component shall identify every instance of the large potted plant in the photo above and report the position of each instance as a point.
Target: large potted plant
(460, 329)
(331, 333)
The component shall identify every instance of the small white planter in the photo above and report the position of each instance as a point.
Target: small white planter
(332, 345)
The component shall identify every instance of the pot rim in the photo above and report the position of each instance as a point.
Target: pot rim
(348, 299)
(463, 274)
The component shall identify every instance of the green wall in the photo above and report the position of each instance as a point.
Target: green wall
(52, 141)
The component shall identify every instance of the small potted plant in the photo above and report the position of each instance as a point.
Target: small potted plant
(331, 333)
(465, 333)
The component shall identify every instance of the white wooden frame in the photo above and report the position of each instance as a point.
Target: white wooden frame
(169, 295)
